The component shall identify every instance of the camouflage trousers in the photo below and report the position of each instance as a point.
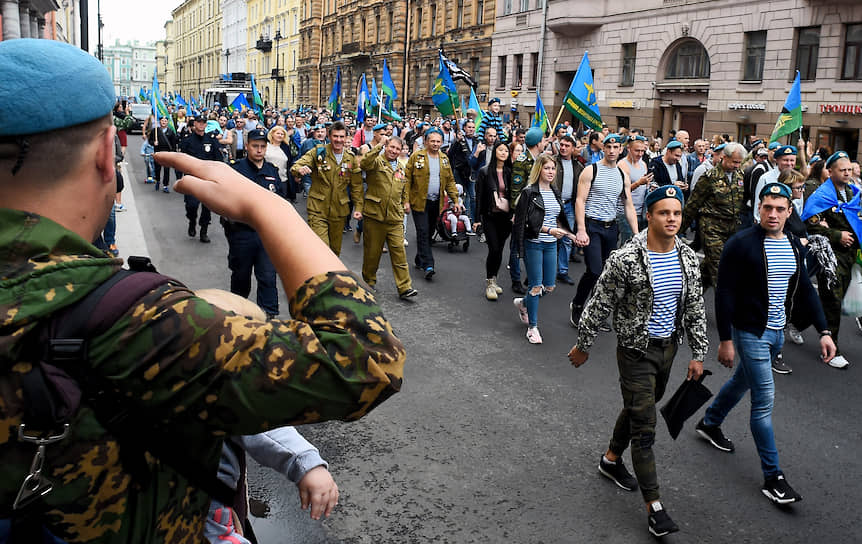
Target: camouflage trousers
(714, 233)
(831, 299)
(643, 379)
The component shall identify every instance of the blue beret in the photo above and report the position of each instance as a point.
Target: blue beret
(433, 130)
(612, 138)
(257, 134)
(775, 188)
(720, 147)
(379, 126)
(814, 159)
(33, 71)
(774, 145)
(534, 136)
(835, 156)
(665, 191)
(785, 150)
(676, 144)
(497, 100)
(756, 143)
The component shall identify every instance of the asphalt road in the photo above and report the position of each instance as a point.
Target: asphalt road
(495, 440)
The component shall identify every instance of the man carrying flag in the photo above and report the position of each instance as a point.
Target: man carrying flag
(833, 211)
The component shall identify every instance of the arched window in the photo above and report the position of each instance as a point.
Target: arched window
(688, 60)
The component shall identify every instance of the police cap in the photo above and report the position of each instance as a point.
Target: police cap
(256, 134)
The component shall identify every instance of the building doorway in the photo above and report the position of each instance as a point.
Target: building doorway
(692, 122)
(845, 140)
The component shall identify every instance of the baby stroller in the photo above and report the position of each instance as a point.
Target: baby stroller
(444, 229)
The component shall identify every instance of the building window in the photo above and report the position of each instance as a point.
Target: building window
(853, 52)
(807, 51)
(627, 78)
(755, 55)
(391, 26)
(518, 72)
(431, 77)
(525, 5)
(501, 69)
(688, 61)
(474, 64)
(362, 35)
(623, 122)
(459, 16)
(534, 70)
(433, 20)
(418, 23)
(378, 22)
(480, 12)
(507, 7)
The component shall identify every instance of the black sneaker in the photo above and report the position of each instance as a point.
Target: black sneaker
(409, 293)
(660, 523)
(714, 436)
(618, 473)
(575, 317)
(192, 230)
(518, 288)
(429, 273)
(779, 366)
(779, 491)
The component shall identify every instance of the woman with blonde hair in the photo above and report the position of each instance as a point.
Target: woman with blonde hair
(539, 223)
(278, 153)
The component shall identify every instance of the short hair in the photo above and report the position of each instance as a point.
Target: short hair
(396, 139)
(734, 147)
(568, 138)
(338, 125)
(594, 136)
(520, 131)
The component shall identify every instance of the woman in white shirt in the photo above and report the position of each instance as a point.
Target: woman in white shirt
(278, 153)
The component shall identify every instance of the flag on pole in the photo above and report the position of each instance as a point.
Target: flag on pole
(373, 97)
(474, 105)
(790, 119)
(540, 117)
(390, 115)
(581, 99)
(456, 71)
(334, 103)
(258, 101)
(181, 101)
(463, 105)
(361, 100)
(444, 94)
(388, 87)
(159, 108)
(239, 103)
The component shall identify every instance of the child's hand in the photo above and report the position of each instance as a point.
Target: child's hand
(318, 489)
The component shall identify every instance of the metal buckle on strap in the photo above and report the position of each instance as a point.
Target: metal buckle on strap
(34, 485)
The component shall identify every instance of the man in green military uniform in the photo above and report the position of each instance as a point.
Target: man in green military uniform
(523, 165)
(186, 372)
(333, 169)
(382, 212)
(834, 225)
(716, 204)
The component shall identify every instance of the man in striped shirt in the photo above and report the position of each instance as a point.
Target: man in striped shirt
(761, 280)
(652, 286)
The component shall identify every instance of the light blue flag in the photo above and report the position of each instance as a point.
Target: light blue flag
(361, 100)
(581, 100)
(372, 95)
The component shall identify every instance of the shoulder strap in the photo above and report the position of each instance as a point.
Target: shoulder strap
(595, 172)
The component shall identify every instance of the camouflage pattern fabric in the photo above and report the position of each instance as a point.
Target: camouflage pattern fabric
(521, 176)
(625, 289)
(197, 372)
(716, 203)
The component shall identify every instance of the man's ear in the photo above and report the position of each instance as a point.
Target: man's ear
(105, 155)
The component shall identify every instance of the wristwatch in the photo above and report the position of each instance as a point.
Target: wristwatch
(827, 332)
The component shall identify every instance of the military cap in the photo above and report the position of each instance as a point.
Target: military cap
(676, 144)
(775, 188)
(257, 134)
(720, 147)
(665, 191)
(379, 126)
(756, 143)
(533, 136)
(762, 152)
(835, 156)
(33, 70)
(495, 99)
(785, 150)
(774, 145)
(612, 138)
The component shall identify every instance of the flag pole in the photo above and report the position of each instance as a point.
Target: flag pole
(557, 120)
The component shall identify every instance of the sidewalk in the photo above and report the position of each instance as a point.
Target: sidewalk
(130, 233)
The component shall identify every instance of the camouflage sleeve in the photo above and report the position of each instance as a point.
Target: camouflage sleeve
(691, 211)
(610, 287)
(694, 311)
(187, 362)
(306, 159)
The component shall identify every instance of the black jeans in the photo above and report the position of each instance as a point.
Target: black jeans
(497, 227)
(603, 240)
(425, 222)
(192, 204)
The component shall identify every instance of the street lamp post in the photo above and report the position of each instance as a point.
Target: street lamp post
(277, 77)
(180, 66)
(200, 76)
(227, 60)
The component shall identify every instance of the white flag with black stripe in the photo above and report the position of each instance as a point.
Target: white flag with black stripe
(457, 72)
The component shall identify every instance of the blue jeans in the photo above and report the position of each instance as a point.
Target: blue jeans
(470, 198)
(246, 252)
(148, 160)
(564, 244)
(110, 231)
(754, 372)
(541, 261)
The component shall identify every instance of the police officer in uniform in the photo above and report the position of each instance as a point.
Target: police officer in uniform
(246, 251)
(333, 168)
(202, 145)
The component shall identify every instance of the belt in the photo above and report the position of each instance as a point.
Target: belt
(605, 224)
(663, 342)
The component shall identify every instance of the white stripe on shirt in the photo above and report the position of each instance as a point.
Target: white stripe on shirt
(780, 266)
(666, 287)
(604, 192)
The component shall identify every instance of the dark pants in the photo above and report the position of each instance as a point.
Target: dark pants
(643, 379)
(424, 222)
(167, 172)
(497, 227)
(246, 253)
(831, 299)
(192, 204)
(603, 240)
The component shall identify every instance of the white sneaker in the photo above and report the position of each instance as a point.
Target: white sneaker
(839, 362)
(405, 243)
(522, 310)
(533, 335)
(793, 335)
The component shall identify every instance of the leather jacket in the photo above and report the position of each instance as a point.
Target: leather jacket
(530, 214)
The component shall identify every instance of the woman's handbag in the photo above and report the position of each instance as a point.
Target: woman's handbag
(501, 203)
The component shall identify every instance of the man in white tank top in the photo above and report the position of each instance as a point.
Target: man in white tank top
(600, 187)
(635, 168)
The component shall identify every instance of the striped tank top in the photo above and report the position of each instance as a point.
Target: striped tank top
(604, 194)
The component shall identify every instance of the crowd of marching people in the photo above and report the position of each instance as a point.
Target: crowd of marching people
(656, 224)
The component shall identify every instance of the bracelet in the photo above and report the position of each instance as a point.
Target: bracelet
(825, 333)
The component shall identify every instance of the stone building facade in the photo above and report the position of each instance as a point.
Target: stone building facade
(272, 45)
(131, 66)
(197, 36)
(709, 66)
(28, 19)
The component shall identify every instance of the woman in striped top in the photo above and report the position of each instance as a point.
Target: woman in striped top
(539, 223)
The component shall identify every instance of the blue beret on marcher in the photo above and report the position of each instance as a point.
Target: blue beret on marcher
(676, 144)
(33, 71)
(720, 147)
(665, 191)
(775, 188)
(774, 145)
(835, 156)
(497, 100)
(379, 126)
(814, 159)
(756, 143)
(433, 130)
(612, 138)
(534, 136)
(785, 150)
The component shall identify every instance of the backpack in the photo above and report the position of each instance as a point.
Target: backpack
(595, 167)
(58, 383)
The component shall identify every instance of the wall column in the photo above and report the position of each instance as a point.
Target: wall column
(11, 24)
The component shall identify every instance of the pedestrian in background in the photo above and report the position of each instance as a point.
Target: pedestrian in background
(495, 212)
